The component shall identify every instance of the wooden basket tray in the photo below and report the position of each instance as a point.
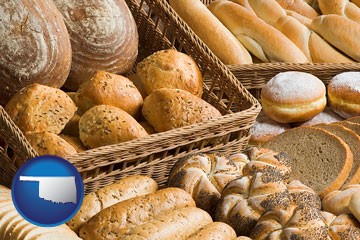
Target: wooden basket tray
(154, 155)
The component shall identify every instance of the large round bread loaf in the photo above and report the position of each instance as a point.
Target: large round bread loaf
(34, 46)
(318, 158)
(103, 36)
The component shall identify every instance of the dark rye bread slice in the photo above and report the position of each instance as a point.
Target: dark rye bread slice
(354, 119)
(352, 126)
(353, 141)
(319, 159)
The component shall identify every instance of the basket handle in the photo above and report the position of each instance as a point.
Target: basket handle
(16, 141)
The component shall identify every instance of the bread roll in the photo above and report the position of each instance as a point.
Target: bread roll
(109, 89)
(340, 7)
(356, 2)
(75, 142)
(47, 143)
(261, 39)
(39, 108)
(138, 84)
(214, 231)
(148, 128)
(268, 10)
(126, 188)
(170, 69)
(120, 218)
(176, 225)
(204, 177)
(103, 36)
(339, 31)
(342, 227)
(302, 195)
(211, 31)
(299, 6)
(166, 109)
(105, 125)
(293, 97)
(354, 205)
(35, 46)
(245, 4)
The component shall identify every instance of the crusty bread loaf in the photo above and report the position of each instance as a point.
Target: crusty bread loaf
(126, 188)
(211, 31)
(261, 39)
(337, 202)
(204, 177)
(214, 231)
(35, 46)
(339, 31)
(103, 36)
(105, 88)
(105, 125)
(340, 7)
(300, 7)
(245, 199)
(47, 143)
(166, 109)
(170, 69)
(175, 225)
(353, 141)
(38, 108)
(120, 218)
(320, 159)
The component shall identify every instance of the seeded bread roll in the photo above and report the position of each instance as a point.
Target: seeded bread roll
(47, 143)
(122, 190)
(105, 125)
(175, 225)
(302, 195)
(118, 219)
(344, 226)
(166, 109)
(344, 94)
(214, 231)
(245, 199)
(170, 69)
(39, 108)
(204, 177)
(293, 97)
(319, 159)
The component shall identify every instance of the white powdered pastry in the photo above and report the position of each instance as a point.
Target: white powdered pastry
(349, 80)
(327, 116)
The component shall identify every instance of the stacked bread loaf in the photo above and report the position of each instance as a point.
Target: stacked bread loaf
(263, 202)
(276, 30)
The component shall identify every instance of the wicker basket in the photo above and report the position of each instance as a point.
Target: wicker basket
(154, 155)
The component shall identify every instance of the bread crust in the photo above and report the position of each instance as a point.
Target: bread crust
(214, 231)
(340, 7)
(299, 6)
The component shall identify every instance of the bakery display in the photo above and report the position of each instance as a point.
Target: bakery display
(35, 46)
(170, 69)
(105, 125)
(166, 109)
(344, 94)
(293, 97)
(103, 36)
(105, 88)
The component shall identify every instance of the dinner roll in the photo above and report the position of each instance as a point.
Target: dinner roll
(293, 97)
(105, 125)
(170, 69)
(109, 89)
(39, 108)
(344, 94)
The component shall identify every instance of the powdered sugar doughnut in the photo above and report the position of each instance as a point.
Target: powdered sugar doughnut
(293, 97)
(327, 116)
(344, 94)
(265, 129)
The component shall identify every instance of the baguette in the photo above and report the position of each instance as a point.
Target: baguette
(300, 7)
(245, 4)
(124, 189)
(339, 31)
(261, 39)
(210, 30)
(214, 231)
(268, 10)
(118, 219)
(340, 7)
(175, 225)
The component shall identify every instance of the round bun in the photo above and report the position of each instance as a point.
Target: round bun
(46, 143)
(344, 94)
(109, 89)
(293, 97)
(170, 69)
(327, 116)
(265, 129)
(39, 108)
(105, 125)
